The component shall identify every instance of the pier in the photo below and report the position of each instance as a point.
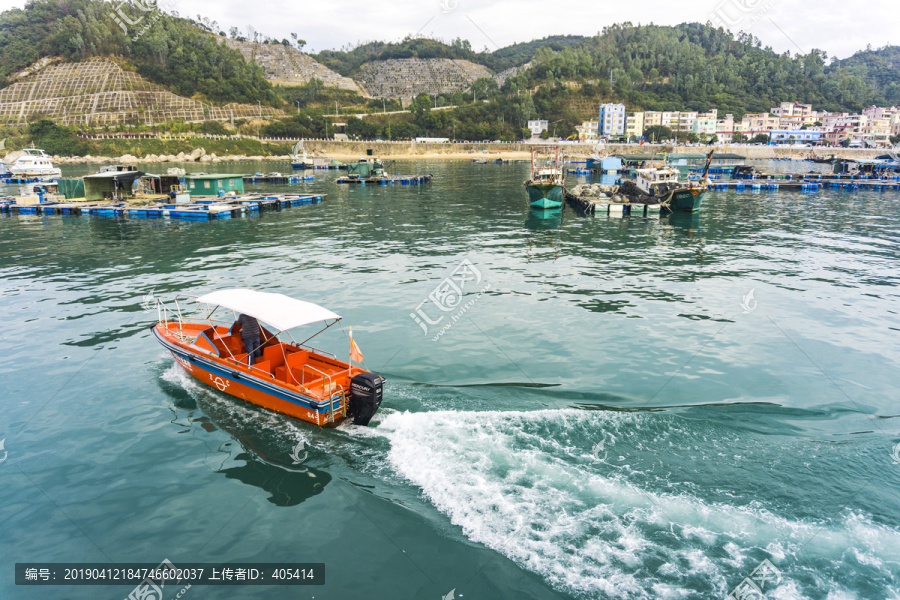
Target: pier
(202, 209)
(604, 205)
(277, 178)
(394, 180)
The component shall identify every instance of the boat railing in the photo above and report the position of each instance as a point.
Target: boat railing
(331, 387)
(318, 351)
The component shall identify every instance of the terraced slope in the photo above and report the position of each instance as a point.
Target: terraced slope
(99, 92)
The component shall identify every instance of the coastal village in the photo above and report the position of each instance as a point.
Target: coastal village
(790, 123)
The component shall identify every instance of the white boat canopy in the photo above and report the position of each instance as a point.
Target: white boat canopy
(277, 310)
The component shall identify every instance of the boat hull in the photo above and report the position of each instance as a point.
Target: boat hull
(238, 380)
(545, 195)
(687, 200)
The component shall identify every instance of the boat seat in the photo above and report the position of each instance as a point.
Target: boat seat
(275, 354)
(261, 367)
(208, 341)
(297, 359)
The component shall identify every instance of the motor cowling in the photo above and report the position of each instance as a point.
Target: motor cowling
(365, 397)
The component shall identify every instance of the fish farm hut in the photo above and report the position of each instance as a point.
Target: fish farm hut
(209, 184)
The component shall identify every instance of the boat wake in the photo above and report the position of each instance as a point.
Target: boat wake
(603, 504)
(555, 491)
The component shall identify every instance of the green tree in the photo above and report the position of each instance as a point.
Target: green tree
(658, 132)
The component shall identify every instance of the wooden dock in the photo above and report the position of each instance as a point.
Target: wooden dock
(392, 180)
(277, 178)
(202, 209)
(601, 205)
(808, 184)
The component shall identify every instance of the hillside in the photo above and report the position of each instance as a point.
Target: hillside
(518, 54)
(693, 66)
(409, 77)
(879, 68)
(99, 92)
(166, 50)
(285, 65)
(348, 62)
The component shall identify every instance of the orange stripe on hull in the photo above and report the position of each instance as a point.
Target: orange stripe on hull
(254, 396)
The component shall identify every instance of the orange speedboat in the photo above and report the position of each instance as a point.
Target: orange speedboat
(291, 378)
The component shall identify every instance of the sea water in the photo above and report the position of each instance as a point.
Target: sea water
(576, 406)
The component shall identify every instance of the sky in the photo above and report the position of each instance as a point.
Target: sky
(840, 28)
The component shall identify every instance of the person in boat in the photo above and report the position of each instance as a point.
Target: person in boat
(249, 329)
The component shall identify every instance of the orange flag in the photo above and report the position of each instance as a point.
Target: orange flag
(355, 354)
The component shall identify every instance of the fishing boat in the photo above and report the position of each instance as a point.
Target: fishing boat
(34, 163)
(546, 187)
(661, 181)
(4, 169)
(299, 158)
(292, 378)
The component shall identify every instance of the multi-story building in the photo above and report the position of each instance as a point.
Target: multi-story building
(538, 126)
(651, 118)
(792, 109)
(876, 113)
(669, 119)
(835, 135)
(612, 120)
(634, 124)
(587, 131)
(760, 122)
(875, 132)
(794, 136)
(704, 126)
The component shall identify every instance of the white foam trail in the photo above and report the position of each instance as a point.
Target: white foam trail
(509, 481)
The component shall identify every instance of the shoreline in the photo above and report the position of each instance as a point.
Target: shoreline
(352, 151)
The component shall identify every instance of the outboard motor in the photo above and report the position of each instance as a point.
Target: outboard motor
(365, 397)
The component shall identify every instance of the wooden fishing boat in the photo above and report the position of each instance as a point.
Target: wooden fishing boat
(291, 378)
(661, 181)
(546, 187)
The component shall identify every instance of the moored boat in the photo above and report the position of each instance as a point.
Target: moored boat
(546, 187)
(289, 377)
(662, 182)
(299, 158)
(34, 163)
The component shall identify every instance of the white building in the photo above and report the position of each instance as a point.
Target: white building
(537, 127)
(612, 120)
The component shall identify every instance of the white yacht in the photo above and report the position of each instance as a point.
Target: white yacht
(34, 163)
